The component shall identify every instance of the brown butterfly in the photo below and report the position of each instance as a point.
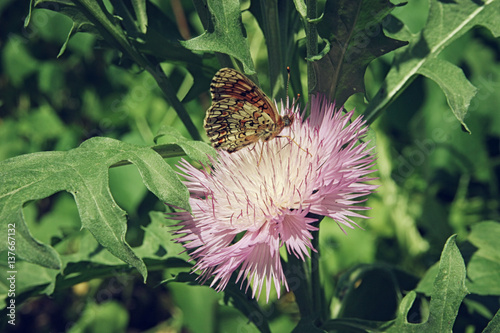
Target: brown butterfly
(241, 113)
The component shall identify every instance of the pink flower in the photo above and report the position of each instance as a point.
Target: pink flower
(253, 201)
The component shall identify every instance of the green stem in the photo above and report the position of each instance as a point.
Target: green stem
(271, 30)
(318, 296)
(113, 33)
(296, 276)
(171, 97)
(311, 43)
(381, 101)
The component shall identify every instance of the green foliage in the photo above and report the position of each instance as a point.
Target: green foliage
(227, 36)
(35, 176)
(484, 265)
(108, 78)
(352, 45)
(446, 22)
(448, 292)
(95, 318)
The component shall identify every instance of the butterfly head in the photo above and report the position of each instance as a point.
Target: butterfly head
(288, 120)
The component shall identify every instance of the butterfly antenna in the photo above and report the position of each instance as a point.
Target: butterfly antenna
(295, 100)
(287, 85)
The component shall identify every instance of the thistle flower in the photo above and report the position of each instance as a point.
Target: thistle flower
(253, 201)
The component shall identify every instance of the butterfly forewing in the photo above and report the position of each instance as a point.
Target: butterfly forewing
(241, 113)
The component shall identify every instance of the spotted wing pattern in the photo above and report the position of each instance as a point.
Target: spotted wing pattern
(241, 113)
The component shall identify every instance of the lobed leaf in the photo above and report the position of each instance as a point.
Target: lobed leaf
(227, 36)
(83, 172)
(355, 31)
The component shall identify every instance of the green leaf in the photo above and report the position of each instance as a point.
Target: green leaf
(17, 62)
(196, 150)
(80, 22)
(483, 269)
(109, 316)
(354, 44)
(227, 36)
(494, 324)
(86, 260)
(447, 21)
(83, 172)
(158, 241)
(484, 266)
(451, 79)
(426, 284)
(301, 7)
(29, 277)
(447, 295)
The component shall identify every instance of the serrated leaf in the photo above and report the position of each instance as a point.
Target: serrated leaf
(484, 266)
(227, 36)
(447, 21)
(355, 42)
(83, 172)
(447, 295)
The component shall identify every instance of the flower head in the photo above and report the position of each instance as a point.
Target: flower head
(253, 201)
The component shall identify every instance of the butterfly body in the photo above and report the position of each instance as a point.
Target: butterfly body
(241, 113)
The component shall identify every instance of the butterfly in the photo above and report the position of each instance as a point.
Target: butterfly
(241, 113)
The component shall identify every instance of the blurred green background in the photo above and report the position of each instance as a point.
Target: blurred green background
(436, 180)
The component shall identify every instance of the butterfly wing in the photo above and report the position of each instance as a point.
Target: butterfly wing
(241, 113)
(232, 124)
(229, 83)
